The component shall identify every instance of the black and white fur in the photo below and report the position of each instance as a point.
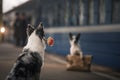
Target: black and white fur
(28, 64)
(75, 47)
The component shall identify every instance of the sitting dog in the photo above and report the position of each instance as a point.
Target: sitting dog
(75, 47)
(28, 64)
(75, 58)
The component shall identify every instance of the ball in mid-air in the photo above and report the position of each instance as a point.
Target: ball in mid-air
(50, 41)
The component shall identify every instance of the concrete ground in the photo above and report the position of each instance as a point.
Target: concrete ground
(54, 67)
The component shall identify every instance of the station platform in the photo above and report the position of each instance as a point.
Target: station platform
(54, 67)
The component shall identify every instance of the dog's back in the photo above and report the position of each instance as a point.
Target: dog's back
(27, 66)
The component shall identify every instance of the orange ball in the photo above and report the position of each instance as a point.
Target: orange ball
(50, 41)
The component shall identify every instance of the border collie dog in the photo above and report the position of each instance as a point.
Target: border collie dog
(28, 64)
(75, 47)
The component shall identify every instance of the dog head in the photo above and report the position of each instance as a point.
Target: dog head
(36, 35)
(39, 31)
(74, 39)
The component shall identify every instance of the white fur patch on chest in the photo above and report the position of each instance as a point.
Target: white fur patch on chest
(74, 49)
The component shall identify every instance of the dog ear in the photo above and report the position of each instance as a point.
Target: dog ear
(70, 36)
(30, 29)
(77, 37)
(40, 30)
(40, 26)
